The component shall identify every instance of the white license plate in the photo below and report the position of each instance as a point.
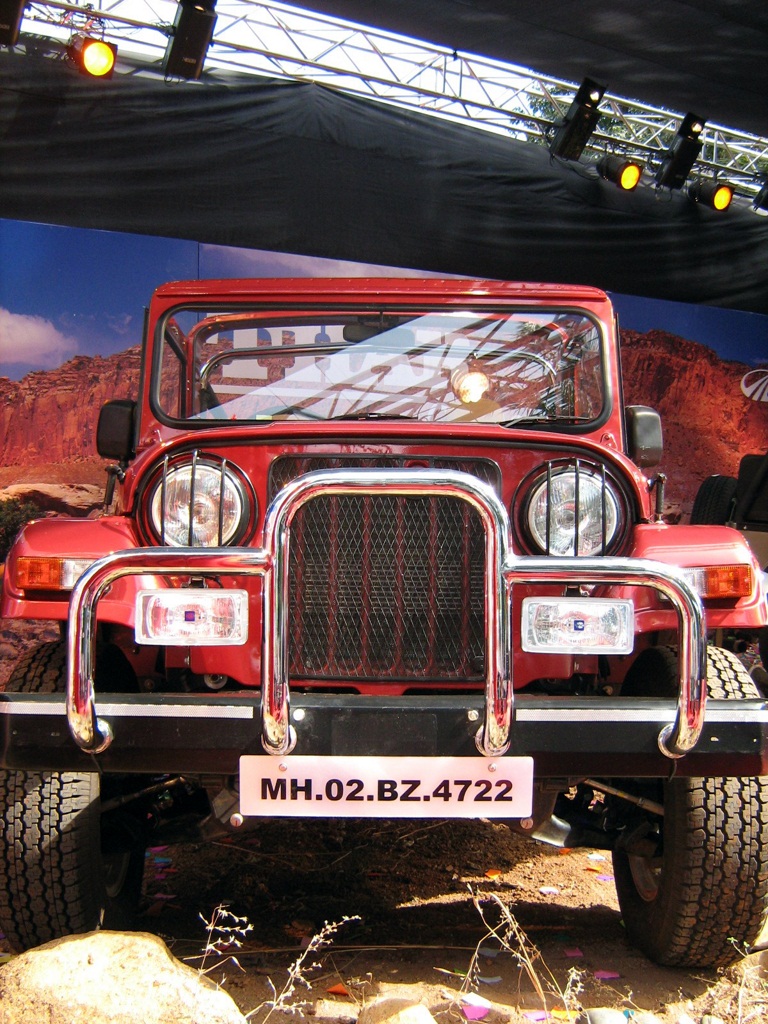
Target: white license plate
(386, 787)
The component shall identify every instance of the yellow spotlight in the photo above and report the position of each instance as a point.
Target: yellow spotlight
(625, 174)
(93, 57)
(715, 194)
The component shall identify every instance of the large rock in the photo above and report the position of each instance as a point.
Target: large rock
(66, 499)
(50, 416)
(109, 978)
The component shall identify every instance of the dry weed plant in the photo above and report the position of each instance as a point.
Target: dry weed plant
(513, 940)
(286, 1001)
(740, 996)
(225, 931)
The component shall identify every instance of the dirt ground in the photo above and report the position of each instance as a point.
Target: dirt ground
(416, 903)
(424, 897)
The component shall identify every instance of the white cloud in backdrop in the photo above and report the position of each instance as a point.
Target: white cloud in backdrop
(28, 339)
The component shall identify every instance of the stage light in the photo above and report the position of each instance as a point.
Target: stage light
(93, 57)
(625, 174)
(192, 33)
(578, 124)
(11, 13)
(681, 155)
(715, 194)
(760, 202)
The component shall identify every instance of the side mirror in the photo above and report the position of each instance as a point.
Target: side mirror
(116, 430)
(645, 445)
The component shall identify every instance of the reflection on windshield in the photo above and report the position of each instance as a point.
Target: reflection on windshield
(447, 366)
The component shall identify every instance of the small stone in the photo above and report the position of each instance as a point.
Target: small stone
(396, 1010)
(328, 1010)
(602, 1015)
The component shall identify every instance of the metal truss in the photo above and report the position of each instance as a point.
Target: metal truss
(278, 41)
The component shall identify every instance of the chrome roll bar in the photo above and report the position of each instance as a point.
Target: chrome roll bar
(271, 561)
(494, 733)
(91, 733)
(680, 737)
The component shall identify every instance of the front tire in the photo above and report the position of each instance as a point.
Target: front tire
(703, 896)
(67, 870)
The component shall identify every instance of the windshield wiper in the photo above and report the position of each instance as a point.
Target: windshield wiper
(374, 416)
(535, 421)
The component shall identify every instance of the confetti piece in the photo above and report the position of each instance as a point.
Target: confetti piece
(474, 1007)
(549, 890)
(454, 974)
(488, 951)
(605, 878)
(5, 957)
(338, 990)
(535, 1014)
(593, 867)
(493, 873)
(606, 975)
(164, 896)
(595, 856)
(163, 860)
(473, 999)
(475, 1012)
(573, 951)
(157, 849)
(565, 849)
(559, 1014)
(489, 981)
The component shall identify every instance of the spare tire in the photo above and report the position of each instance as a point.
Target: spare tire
(714, 501)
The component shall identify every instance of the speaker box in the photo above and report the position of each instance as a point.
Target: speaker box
(187, 47)
(11, 13)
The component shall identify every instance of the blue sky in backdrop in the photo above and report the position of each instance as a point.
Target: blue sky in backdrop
(73, 291)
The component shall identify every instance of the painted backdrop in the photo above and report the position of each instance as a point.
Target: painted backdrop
(71, 312)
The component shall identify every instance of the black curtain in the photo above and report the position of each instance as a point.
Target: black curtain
(300, 168)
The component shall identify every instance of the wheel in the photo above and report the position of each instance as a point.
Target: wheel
(701, 895)
(66, 870)
(713, 503)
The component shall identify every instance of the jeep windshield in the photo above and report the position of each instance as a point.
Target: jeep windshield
(523, 367)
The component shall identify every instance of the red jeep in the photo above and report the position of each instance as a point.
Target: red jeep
(385, 548)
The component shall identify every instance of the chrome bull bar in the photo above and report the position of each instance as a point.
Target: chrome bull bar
(271, 561)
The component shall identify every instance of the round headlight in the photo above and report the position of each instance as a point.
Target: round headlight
(574, 512)
(198, 504)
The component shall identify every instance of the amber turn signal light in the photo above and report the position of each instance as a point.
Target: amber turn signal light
(49, 573)
(721, 582)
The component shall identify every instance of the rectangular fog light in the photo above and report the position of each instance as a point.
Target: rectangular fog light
(582, 625)
(195, 618)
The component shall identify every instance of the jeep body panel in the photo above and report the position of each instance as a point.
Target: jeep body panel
(408, 462)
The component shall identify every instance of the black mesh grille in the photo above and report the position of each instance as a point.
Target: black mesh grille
(386, 587)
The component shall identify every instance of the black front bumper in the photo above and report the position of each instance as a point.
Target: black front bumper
(568, 738)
